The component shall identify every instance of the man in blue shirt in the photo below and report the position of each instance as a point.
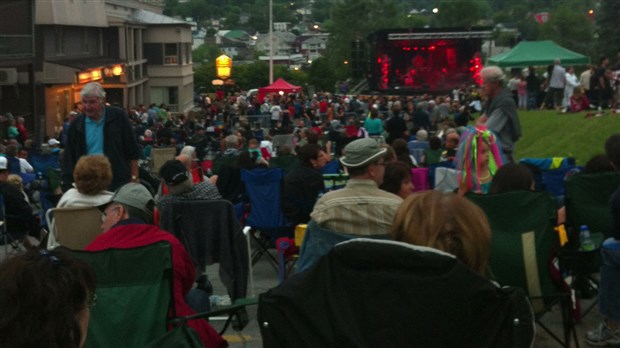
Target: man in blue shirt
(101, 130)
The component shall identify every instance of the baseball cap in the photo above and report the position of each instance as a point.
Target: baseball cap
(173, 172)
(133, 195)
(53, 142)
(361, 152)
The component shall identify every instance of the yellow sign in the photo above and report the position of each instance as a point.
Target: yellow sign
(223, 66)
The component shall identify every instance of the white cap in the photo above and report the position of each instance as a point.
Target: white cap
(53, 142)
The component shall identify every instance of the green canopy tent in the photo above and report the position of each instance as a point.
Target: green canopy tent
(537, 53)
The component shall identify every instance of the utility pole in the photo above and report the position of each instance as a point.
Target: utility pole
(270, 41)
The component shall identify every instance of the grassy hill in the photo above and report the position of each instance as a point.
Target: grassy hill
(549, 134)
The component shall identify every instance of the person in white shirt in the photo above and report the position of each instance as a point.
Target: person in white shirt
(571, 83)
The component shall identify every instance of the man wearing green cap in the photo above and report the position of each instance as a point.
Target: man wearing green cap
(360, 208)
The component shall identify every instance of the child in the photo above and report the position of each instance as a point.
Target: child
(478, 159)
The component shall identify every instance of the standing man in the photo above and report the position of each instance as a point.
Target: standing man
(500, 115)
(557, 82)
(102, 130)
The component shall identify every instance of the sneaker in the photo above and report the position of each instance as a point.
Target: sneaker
(603, 336)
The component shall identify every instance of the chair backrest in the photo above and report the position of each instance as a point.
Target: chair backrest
(416, 149)
(433, 168)
(549, 173)
(282, 139)
(287, 163)
(446, 179)
(318, 241)
(264, 188)
(211, 233)
(14, 165)
(331, 167)
(335, 181)
(587, 200)
(419, 179)
(522, 225)
(134, 295)
(75, 227)
(370, 293)
(159, 156)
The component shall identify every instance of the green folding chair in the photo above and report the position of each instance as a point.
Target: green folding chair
(134, 298)
(522, 225)
(587, 200)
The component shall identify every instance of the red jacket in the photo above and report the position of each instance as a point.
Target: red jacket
(132, 235)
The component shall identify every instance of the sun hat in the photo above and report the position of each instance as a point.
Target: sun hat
(361, 152)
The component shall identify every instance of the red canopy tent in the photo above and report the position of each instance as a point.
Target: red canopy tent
(276, 87)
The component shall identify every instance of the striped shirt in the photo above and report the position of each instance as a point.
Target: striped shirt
(360, 208)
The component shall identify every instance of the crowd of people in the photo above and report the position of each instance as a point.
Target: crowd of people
(104, 156)
(595, 89)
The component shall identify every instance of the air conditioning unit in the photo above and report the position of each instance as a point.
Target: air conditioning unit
(8, 76)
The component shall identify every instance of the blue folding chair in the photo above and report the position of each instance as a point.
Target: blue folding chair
(416, 149)
(266, 219)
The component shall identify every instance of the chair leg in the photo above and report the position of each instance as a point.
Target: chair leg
(247, 231)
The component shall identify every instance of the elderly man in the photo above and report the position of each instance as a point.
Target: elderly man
(500, 115)
(360, 208)
(101, 130)
(175, 175)
(128, 224)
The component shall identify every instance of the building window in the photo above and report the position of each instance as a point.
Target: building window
(189, 53)
(171, 54)
(173, 95)
(59, 42)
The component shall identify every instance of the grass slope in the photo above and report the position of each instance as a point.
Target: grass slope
(549, 134)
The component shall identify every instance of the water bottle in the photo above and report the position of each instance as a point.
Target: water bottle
(585, 239)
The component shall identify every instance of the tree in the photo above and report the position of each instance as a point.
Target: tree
(206, 53)
(570, 27)
(608, 29)
(355, 20)
(321, 75)
(321, 10)
(462, 13)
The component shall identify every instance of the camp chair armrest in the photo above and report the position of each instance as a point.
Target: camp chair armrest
(238, 304)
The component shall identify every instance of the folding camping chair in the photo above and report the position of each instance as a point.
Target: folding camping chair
(335, 181)
(587, 200)
(134, 299)
(523, 224)
(549, 173)
(73, 227)
(370, 293)
(266, 218)
(159, 156)
(416, 149)
(211, 233)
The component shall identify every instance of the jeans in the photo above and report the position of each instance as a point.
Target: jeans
(532, 97)
(609, 287)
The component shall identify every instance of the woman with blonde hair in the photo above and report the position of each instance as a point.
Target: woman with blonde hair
(447, 222)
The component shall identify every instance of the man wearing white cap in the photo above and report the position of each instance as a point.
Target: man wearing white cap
(360, 208)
